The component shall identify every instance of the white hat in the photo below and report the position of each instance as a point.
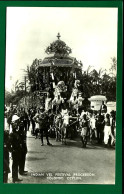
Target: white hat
(14, 118)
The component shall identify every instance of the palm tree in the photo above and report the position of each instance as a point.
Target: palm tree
(32, 75)
(113, 66)
(86, 85)
(105, 84)
(16, 85)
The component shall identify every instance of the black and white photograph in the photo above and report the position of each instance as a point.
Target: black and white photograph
(60, 95)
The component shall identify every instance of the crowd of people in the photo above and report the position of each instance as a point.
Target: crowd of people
(60, 122)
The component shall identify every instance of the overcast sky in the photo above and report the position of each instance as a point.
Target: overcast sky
(90, 32)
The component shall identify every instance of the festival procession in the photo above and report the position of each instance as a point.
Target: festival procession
(60, 102)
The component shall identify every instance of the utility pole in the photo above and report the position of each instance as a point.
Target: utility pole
(25, 89)
(25, 86)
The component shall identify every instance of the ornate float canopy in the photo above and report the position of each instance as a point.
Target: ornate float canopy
(60, 57)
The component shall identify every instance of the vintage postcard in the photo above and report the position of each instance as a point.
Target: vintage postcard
(60, 95)
(61, 107)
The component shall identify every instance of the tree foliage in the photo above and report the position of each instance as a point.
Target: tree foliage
(113, 66)
(93, 82)
(14, 97)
